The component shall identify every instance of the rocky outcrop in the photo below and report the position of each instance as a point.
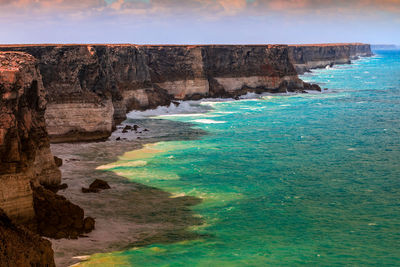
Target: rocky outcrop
(57, 217)
(25, 154)
(20, 247)
(92, 87)
(307, 57)
(26, 167)
(25, 158)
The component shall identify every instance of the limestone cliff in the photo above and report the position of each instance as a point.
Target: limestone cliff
(25, 158)
(25, 154)
(26, 167)
(91, 87)
(307, 57)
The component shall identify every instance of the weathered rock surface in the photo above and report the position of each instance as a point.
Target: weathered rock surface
(307, 57)
(91, 87)
(26, 162)
(25, 154)
(20, 247)
(57, 217)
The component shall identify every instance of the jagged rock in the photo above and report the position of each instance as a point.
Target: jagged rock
(135, 127)
(58, 161)
(21, 247)
(96, 186)
(25, 154)
(56, 216)
(56, 188)
(88, 224)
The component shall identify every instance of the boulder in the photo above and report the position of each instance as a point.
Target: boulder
(96, 186)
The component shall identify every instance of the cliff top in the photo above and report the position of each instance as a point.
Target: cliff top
(178, 45)
(327, 44)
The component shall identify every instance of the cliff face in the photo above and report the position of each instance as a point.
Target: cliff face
(25, 158)
(91, 87)
(307, 57)
(25, 154)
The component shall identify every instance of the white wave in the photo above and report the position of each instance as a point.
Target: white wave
(184, 107)
(206, 121)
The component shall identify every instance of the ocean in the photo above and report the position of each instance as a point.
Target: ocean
(285, 180)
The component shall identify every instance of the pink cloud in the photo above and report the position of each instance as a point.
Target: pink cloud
(195, 7)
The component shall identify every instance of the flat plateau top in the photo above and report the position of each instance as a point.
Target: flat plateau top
(175, 45)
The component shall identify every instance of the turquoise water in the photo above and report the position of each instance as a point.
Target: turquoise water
(286, 180)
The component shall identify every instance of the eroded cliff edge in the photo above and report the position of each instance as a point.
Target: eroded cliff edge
(27, 167)
(25, 158)
(92, 87)
(307, 57)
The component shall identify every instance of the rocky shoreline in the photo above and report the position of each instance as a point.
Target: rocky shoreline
(88, 89)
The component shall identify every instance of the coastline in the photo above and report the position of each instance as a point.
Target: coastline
(129, 214)
(115, 228)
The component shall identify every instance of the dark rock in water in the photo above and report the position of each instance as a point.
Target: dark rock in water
(88, 224)
(57, 217)
(21, 247)
(87, 190)
(236, 98)
(63, 186)
(99, 184)
(96, 186)
(58, 161)
(312, 87)
(135, 127)
(118, 139)
(128, 127)
(145, 130)
(56, 188)
(176, 103)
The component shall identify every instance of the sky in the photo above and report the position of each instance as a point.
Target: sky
(199, 21)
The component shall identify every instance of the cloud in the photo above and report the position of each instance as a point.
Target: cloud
(206, 8)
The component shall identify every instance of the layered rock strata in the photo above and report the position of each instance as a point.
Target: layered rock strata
(92, 87)
(307, 57)
(26, 167)
(25, 154)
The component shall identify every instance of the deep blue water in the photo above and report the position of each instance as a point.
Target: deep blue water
(286, 180)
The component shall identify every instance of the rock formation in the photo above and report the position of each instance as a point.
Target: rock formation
(307, 57)
(25, 154)
(91, 87)
(26, 167)
(57, 217)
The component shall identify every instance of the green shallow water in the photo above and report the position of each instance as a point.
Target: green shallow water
(286, 180)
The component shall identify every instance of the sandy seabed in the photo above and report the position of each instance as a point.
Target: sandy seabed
(129, 214)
